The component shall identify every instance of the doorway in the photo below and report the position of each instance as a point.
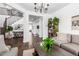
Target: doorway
(35, 27)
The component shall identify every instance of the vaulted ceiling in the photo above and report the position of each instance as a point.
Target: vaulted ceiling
(52, 8)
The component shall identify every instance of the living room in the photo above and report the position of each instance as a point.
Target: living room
(68, 33)
(33, 27)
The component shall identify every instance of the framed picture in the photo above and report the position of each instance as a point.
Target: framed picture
(75, 22)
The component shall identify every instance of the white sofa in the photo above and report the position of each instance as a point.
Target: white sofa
(7, 51)
(62, 38)
(68, 42)
(73, 46)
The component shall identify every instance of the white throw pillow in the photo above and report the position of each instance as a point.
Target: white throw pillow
(3, 47)
(62, 37)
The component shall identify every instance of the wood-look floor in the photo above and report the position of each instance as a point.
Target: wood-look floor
(16, 42)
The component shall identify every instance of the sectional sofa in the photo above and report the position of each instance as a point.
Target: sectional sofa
(68, 42)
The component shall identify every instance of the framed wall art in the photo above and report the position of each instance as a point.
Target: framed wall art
(75, 22)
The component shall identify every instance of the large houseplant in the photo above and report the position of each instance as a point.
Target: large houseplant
(50, 27)
(49, 22)
(47, 44)
(55, 21)
(55, 25)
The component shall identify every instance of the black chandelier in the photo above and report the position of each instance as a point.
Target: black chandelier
(41, 7)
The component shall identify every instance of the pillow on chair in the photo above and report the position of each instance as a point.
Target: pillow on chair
(3, 47)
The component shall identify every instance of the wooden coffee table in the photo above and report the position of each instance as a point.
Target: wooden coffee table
(57, 51)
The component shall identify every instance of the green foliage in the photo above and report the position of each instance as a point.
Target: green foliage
(56, 28)
(55, 21)
(55, 24)
(47, 44)
(9, 28)
(49, 21)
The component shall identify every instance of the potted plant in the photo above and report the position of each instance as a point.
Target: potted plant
(8, 30)
(49, 22)
(55, 21)
(47, 44)
(50, 27)
(55, 25)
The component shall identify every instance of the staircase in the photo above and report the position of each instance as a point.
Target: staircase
(11, 20)
(13, 15)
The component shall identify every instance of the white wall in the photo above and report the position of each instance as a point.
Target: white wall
(2, 19)
(45, 25)
(65, 14)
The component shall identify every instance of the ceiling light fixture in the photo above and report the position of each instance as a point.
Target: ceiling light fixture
(41, 7)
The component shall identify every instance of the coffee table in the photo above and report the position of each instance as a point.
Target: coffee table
(57, 51)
